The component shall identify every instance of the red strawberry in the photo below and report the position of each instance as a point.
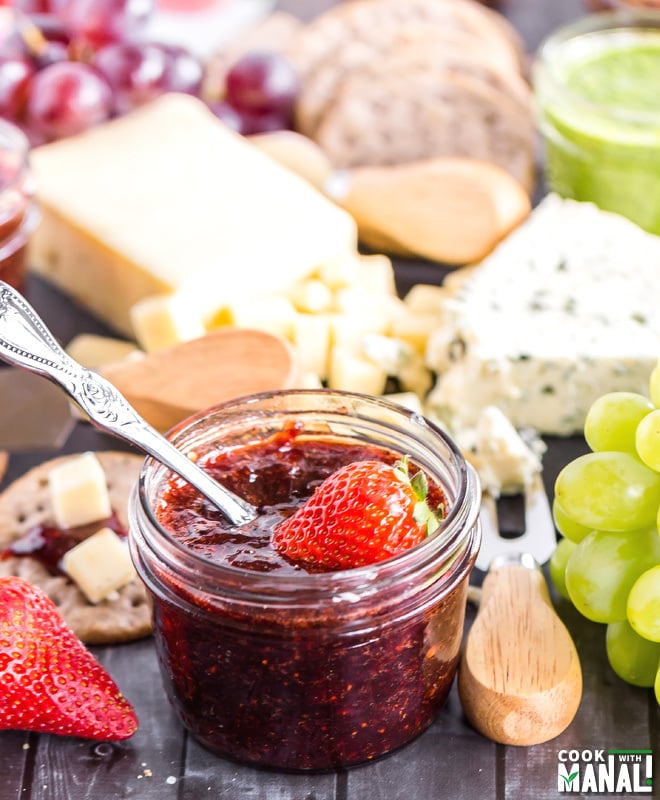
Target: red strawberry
(49, 682)
(365, 512)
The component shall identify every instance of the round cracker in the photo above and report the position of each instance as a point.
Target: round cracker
(26, 503)
(382, 117)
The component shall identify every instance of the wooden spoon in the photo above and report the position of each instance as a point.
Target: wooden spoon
(520, 680)
(453, 210)
(169, 385)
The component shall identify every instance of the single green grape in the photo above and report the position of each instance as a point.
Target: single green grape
(603, 567)
(557, 566)
(613, 419)
(566, 525)
(654, 385)
(644, 604)
(609, 491)
(633, 658)
(656, 686)
(647, 440)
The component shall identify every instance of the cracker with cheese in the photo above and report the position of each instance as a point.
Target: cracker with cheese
(106, 603)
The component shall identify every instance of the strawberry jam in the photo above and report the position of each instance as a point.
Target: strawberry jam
(48, 544)
(267, 662)
(277, 476)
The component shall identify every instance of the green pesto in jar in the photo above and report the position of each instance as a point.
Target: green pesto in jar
(598, 96)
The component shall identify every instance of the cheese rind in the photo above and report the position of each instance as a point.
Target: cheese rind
(564, 310)
(78, 491)
(167, 198)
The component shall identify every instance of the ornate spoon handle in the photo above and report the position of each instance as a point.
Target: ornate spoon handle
(26, 342)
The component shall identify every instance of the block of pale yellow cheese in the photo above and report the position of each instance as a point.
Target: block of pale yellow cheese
(167, 198)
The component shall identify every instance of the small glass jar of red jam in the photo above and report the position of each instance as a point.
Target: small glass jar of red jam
(267, 662)
(18, 210)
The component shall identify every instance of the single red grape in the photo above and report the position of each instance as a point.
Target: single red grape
(264, 121)
(12, 44)
(263, 82)
(184, 71)
(136, 72)
(50, 53)
(52, 27)
(228, 114)
(15, 76)
(99, 22)
(66, 98)
(32, 6)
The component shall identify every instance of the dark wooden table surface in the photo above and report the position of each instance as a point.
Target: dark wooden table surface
(450, 760)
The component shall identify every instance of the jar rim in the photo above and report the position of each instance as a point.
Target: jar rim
(13, 142)
(446, 540)
(626, 23)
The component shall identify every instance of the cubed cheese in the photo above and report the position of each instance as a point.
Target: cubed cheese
(94, 351)
(166, 198)
(99, 565)
(272, 313)
(165, 320)
(352, 373)
(561, 312)
(310, 336)
(78, 491)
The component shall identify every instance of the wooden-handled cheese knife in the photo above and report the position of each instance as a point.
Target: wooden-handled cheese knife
(520, 680)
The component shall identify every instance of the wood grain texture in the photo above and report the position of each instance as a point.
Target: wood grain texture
(520, 679)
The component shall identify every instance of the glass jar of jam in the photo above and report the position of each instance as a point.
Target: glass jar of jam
(596, 87)
(18, 210)
(273, 665)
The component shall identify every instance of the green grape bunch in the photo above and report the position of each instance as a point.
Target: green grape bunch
(607, 508)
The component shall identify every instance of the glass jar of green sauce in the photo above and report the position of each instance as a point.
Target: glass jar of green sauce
(597, 88)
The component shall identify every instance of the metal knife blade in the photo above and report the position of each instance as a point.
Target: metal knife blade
(537, 537)
(34, 413)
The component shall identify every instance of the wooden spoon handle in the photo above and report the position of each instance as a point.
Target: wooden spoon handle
(520, 680)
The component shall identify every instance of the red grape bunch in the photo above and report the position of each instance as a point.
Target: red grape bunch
(66, 65)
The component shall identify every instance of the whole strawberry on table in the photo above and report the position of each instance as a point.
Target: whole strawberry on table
(49, 682)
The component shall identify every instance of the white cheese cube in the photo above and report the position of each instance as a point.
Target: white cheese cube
(310, 336)
(309, 380)
(99, 565)
(425, 297)
(352, 373)
(165, 320)
(311, 296)
(339, 272)
(271, 313)
(414, 327)
(93, 351)
(408, 400)
(375, 274)
(78, 491)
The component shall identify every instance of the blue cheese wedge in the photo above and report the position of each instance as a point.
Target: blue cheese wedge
(566, 309)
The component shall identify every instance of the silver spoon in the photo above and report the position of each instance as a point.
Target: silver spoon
(26, 342)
